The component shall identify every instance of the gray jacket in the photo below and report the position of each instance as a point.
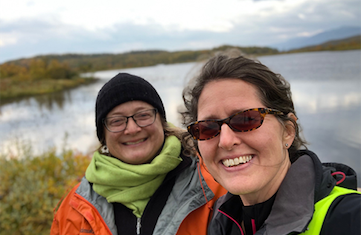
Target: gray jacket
(185, 197)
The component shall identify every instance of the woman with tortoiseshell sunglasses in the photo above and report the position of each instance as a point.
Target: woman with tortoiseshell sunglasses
(242, 120)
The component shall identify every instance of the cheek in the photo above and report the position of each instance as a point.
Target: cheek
(156, 135)
(201, 149)
(110, 138)
(270, 145)
(157, 128)
(207, 149)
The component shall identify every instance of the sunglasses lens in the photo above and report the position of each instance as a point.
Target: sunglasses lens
(205, 130)
(246, 121)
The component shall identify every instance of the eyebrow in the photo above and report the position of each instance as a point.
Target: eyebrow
(120, 113)
(212, 117)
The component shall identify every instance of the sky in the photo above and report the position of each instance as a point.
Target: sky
(38, 27)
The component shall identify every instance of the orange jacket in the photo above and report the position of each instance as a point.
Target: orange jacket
(197, 221)
(78, 213)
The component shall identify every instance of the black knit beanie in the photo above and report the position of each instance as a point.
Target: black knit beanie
(122, 88)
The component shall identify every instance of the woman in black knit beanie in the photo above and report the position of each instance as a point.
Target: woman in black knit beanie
(139, 181)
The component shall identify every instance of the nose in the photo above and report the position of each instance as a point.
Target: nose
(131, 127)
(227, 138)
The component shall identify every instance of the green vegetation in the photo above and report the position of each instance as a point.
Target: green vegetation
(32, 186)
(351, 43)
(11, 89)
(95, 62)
(37, 76)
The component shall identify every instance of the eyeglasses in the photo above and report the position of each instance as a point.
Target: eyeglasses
(119, 123)
(244, 121)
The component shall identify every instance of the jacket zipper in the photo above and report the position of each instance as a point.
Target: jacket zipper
(253, 226)
(138, 226)
(234, 221)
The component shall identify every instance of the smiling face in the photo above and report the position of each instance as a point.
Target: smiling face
(135, 145)
(263, 149)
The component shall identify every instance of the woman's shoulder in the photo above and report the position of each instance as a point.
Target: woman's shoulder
(194, 174)
(344, 215)
(216, 188)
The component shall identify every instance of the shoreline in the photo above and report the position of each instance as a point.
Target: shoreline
(12, 91)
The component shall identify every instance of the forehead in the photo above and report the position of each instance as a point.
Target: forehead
(222, 98)
(129, 108)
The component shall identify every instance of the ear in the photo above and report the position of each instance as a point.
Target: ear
(290, 130)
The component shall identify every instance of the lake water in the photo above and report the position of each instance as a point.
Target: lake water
(326, 91)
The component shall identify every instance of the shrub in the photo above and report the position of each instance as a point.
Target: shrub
(32, 186)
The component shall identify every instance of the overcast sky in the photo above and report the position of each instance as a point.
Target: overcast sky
(34, 27)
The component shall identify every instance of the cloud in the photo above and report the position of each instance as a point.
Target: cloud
(165, 26)
(32, 38)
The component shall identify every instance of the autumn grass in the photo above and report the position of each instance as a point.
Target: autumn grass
(32, 186)
(11, 89)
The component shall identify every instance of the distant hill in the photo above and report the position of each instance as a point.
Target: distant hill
(350, 43)
(97, 62)
(335, 34)
(80, 63)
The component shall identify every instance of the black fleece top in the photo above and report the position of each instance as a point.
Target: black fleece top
(255, 215)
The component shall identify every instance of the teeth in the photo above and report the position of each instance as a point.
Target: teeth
(137, 142)
(236, 161)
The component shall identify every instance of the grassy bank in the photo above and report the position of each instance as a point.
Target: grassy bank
(37, 76)
(13, 89)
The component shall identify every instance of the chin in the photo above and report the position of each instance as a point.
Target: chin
(239, 188)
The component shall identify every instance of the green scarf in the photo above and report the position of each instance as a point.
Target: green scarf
(132, 185)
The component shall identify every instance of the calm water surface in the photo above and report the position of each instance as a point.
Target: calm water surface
(326, 91)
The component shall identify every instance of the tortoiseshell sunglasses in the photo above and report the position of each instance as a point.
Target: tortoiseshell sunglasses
(247, 120)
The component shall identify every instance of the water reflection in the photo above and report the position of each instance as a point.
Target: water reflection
(316, 96)
(317, 66)
(44, 121)
(45, 101)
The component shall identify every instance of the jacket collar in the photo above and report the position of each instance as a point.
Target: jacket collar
(306, 182)
(294, 204)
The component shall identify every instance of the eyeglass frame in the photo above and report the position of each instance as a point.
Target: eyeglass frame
(262, 111)
(132, 116)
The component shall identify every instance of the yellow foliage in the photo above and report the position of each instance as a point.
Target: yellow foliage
(32, 186)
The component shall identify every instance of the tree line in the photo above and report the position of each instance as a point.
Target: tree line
(350, 43)
(67, 66)
(37, 69)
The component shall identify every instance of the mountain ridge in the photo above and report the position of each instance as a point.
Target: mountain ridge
(320, 38)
